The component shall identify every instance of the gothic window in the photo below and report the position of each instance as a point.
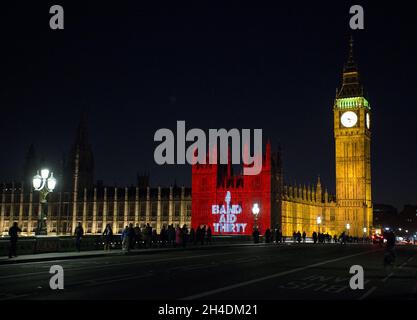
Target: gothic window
(26, 210)
(35, 210)
(143, 209)
(177, 209)
(7, 211)
(132, 209)
(121, 209)
(154, 209)
(110, 208)
(165, 209)
(90, 209)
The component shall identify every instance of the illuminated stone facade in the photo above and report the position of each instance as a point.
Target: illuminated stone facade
(351, 209)
(301, 206)
(95, 208)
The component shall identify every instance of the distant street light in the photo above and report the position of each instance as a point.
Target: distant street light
(44, 183)
(348, 227)
(318, 223)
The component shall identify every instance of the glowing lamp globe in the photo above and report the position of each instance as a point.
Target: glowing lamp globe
(51, 182)
(255, 209)
(37, 181)
(44, 173)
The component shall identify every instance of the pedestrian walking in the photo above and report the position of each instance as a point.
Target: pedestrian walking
(154, 238)
(184, 233)
(138, 236)
(267, 236)
(178, 236)
(171, 235)
(125, 238)
(132, 237)
(255, 235)
(108, 237)
(276, 236)
(209, 235)
(315, 237)
(148, 232)
(14, 235)
(163, 236)
(192, 236)
(299, 237)
(197, 235)
(79, 232)
(203, 234)
(304, 236)
(343, 238)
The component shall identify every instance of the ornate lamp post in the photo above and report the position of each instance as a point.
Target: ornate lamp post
(348, 227)
(255, 212)
(318, 223)
(364, 233)
(44, 183)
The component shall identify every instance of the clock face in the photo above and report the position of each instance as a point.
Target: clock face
(349, 119)
(368, 121)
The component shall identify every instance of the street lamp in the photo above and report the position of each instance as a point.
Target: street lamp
(364, 233)
(44, 183)
(255, 212)
(348, 227)
(318, 223)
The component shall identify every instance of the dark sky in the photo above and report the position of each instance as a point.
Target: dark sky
(134, 69)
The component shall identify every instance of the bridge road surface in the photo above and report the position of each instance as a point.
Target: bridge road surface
(296, 271)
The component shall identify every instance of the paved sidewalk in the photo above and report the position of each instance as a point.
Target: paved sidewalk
(101, 253)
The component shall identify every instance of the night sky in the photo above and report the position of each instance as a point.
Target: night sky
(133, 68)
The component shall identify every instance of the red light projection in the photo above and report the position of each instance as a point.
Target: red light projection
(224, 201)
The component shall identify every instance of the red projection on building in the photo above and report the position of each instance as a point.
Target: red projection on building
(224, 201)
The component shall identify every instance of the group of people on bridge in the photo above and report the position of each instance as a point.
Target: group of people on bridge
(276, 236)
(133, 237)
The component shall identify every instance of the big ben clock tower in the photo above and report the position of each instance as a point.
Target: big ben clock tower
(352, 131)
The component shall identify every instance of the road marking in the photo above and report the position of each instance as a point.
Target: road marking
(272, 276)
(400, 267)
(368, 293)
(112, 265)
(388, 276)
(408, 260)
(98, 283)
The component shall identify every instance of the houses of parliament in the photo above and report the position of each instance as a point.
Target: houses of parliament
(79, 198)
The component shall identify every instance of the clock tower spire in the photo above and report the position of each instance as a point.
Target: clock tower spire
(352, 132)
